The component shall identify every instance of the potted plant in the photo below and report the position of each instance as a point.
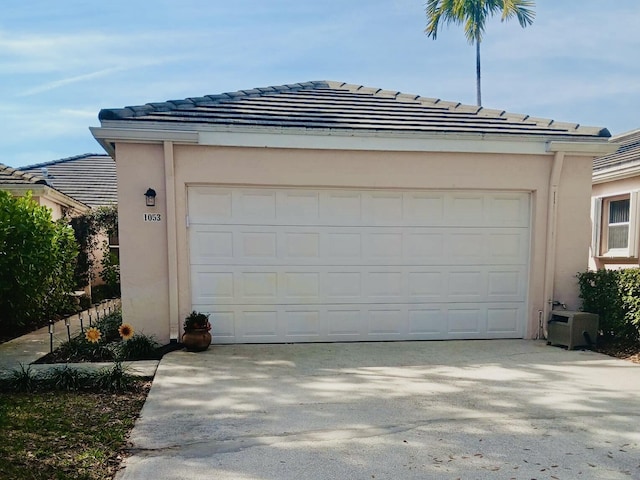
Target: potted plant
(196, 336)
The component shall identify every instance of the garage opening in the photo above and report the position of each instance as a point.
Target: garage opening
(276, 265)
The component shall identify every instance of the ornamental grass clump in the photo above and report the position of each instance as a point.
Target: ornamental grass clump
(138, 347)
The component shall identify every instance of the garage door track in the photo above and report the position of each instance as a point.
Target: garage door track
(404, 410)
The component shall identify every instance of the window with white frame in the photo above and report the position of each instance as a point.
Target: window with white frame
(615, 226)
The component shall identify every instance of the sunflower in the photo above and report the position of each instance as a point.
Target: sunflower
(125, 331)
(92, 335)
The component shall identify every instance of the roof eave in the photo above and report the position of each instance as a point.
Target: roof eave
(619, 172)
(112, 132)
(41, 190)
(581, 147)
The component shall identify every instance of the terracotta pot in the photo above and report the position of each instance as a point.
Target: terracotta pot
(196, 340)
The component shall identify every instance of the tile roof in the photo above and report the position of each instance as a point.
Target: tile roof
(628, 152)
(11, 176)
(89, 178)
(335, 105)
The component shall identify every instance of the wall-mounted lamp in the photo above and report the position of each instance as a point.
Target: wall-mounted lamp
(150, 196)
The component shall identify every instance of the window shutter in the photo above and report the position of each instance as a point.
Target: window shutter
(634, 235)
(596, 220)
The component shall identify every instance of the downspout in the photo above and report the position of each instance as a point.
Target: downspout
(552, 219)
(172, 240)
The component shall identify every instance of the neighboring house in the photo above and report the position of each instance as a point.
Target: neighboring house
(89, 178)
(615, 208)
(324, 211)
(18, 183)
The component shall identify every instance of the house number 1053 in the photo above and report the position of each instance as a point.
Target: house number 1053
(152, 217)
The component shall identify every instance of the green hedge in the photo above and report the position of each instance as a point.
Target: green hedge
(615, 296)
(37, 259)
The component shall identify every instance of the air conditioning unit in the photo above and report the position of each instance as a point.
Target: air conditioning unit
(572, 329)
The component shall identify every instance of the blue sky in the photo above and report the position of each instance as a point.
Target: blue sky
(62, 61)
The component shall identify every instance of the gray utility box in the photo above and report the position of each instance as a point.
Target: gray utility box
(572, 329)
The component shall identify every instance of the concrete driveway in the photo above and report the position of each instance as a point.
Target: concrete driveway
(497, 409)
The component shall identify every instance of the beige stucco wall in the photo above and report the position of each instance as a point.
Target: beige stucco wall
(144, 256)
(55, 207)
(609, 189)
(143, 246)
(573, 228)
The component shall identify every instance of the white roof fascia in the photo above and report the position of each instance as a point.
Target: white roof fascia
(388, 142)
(333, 139)
(106, 135)
(616, 173)
(40, 190)
(580, 147)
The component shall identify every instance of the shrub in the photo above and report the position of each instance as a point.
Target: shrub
(78, 349)
(101, 292)
(615, 296)
(87, 229)
(110, 271)
(21, 380)
(36, 264)
(67, 379)
(115, 379)
(139, 347)
(629, 287)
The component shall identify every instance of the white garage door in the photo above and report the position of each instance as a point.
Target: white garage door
(305, 265)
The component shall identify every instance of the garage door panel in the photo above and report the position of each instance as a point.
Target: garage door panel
(321, 323)
(343, 285)
(466, 285)
(242, 206)
(424, 208)
(503, 320)
(259, 325)
(507, 209)
(426, 322)
(465, 209)
(223, 322)
(345, 323)
(214, 286)
(207, 205)
(385, 322)
(384, 286)
(426, 285)
(256, 246)
(291, 245)
(303, 323)
(381, 208)
(507, 246)
(302, 265)
(301, 287)
(341, 208)
(294, 205)
(303, 246)
(346, 284)
(465, 321)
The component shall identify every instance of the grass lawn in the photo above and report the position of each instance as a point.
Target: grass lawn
(66, 435)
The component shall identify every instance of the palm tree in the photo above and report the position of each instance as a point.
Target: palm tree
(474, 14)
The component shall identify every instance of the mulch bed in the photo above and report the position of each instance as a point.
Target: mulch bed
(57, 356)
(623, 350)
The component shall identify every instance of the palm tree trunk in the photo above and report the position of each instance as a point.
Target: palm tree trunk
(478, 87)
